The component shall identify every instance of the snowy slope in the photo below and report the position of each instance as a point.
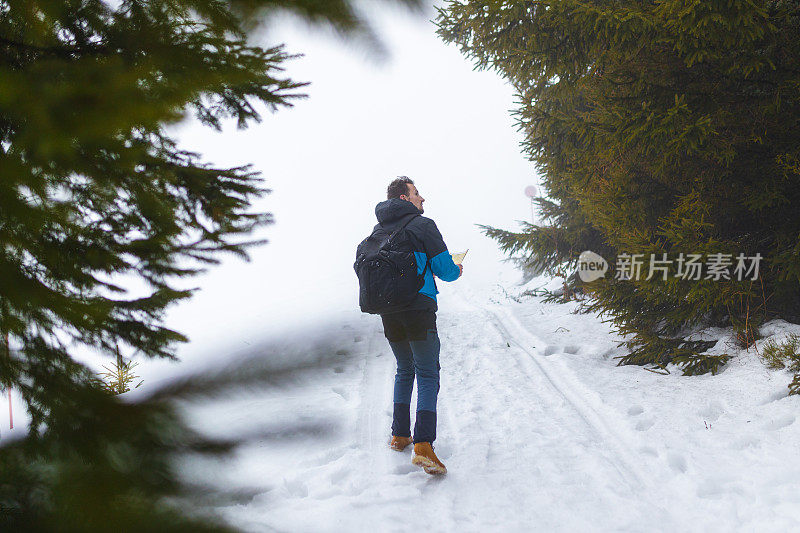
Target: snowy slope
(537, 426)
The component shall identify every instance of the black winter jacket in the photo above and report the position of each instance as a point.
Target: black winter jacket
(428, 246)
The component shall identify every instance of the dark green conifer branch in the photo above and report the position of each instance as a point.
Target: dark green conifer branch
(657, 128)
(93, 191)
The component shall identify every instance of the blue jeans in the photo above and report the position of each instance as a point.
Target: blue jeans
(418, 359)
(415, 343)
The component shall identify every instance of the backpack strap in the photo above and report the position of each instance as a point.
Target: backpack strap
(398, 230)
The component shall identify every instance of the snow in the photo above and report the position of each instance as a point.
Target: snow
(538, 427)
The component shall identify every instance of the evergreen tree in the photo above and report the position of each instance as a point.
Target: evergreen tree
(115, 465)
(658, 128)
(92, 189)
(94, 195)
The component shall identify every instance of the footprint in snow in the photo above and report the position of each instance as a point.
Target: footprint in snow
(326, 457)
(572, 349)
(608, 353)
(775, 396)
(550, 350)
(715, 486)
(644, 424)
(338, 475)
(647, 450)
(677, 462)
(635, 410)
(712, 411)
(443, 451)
(780, 422)
(341, 392)
(405, 469)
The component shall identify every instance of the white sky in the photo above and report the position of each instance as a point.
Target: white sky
(423, 113)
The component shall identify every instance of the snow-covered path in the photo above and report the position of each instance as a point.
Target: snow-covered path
(539, 431)
(521, 437)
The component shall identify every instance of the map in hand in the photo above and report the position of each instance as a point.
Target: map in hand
(459, 257)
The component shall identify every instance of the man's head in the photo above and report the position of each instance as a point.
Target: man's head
(404, 189)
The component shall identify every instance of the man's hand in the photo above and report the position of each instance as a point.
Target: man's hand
(460, 270)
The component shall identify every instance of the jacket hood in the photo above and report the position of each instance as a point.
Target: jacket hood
(392, 210)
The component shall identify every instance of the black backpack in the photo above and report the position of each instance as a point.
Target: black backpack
(387, 271)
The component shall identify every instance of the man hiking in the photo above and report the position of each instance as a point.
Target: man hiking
(411, 332)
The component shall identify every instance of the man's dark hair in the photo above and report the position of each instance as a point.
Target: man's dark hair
(398, 187)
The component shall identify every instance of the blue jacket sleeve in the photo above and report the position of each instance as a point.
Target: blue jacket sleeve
(441, 261)
(443, 266)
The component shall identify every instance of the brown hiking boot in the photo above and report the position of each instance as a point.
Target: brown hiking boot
(399, 444)
(424, 457)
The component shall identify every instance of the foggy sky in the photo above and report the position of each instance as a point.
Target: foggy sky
(424, 112)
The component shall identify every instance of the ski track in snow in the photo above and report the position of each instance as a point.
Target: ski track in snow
(528, 444)
(522, 340)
